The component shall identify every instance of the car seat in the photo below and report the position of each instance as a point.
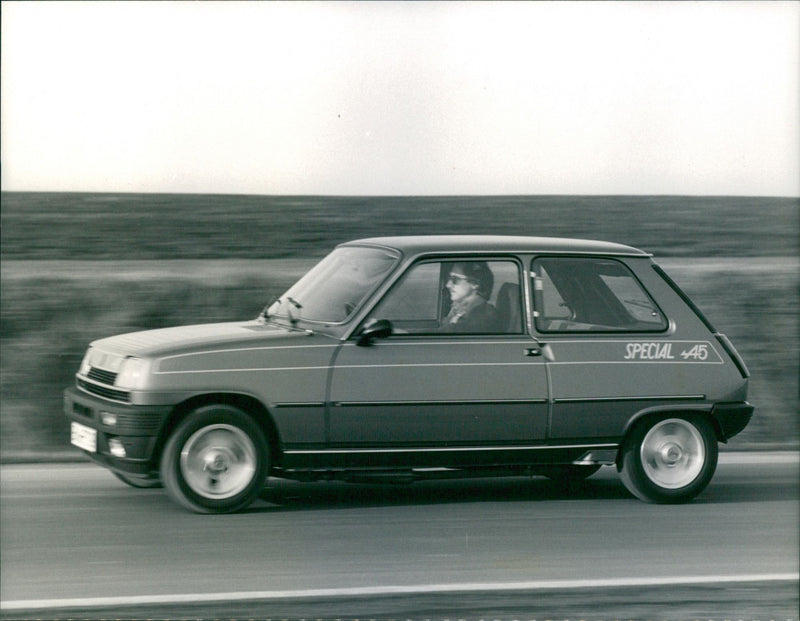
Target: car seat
(508, 308)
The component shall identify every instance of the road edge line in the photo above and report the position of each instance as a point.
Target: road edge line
(537, 585)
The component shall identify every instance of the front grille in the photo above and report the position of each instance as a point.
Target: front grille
(102, 376)
(105, 391)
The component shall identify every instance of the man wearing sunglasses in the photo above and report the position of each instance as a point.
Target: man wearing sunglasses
(470, 286)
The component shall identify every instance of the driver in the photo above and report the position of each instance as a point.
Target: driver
(470, 286)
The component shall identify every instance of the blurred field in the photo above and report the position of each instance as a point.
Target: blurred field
(99, 265)
(163, 226)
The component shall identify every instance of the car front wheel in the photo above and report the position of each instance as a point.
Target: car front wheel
(669, 459)
(215, 461)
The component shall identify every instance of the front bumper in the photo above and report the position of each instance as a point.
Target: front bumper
(732, 417)
(137, 429)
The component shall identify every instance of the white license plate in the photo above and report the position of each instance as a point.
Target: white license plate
(83, 437)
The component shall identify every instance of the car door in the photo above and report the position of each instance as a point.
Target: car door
(430, 387)
(614, 352)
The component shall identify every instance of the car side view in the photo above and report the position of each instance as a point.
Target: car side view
(404, 358)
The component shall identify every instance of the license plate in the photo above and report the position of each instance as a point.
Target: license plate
(83, 437)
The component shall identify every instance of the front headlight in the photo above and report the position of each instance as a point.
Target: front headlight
(86, 364)
(132, 374)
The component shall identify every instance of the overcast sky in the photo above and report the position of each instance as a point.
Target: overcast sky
(402, 98)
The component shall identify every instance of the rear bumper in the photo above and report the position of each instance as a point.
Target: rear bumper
(137, 429)
(732, 418)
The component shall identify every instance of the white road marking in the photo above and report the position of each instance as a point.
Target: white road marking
(477, 587)
(757, 457)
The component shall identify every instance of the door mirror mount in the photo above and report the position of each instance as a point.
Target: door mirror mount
(374, 329)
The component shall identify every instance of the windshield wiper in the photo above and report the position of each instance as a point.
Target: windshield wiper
(265, 311)
(297, 305)
(292, 319)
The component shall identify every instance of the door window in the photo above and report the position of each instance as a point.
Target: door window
(455, 297)
(580, 294)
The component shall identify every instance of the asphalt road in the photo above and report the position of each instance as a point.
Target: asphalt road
(76, 542)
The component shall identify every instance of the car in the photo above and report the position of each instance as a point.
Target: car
(406, 358)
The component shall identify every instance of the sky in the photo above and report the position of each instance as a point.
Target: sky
(401, 98)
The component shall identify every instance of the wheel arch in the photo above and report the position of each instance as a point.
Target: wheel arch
(247, 403)
(643, 416)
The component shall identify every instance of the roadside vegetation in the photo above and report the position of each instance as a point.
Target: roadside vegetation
(179, 226)
(47, 317)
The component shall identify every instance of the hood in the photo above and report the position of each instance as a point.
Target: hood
(196, 338)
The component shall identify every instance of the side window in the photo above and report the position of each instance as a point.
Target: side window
(413, 304)
(581, 294)
(460, 297)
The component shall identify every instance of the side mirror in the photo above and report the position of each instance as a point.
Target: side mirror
(374, 329)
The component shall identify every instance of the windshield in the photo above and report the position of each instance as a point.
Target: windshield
(336, 286)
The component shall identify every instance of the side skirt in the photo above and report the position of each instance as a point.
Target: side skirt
(456, 457)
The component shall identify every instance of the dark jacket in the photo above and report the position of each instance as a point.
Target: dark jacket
(481, 318)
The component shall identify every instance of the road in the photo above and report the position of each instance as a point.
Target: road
(75, 541)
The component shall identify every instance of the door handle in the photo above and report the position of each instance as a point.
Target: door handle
(540, 350)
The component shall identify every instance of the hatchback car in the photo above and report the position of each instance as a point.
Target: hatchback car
(416, 357)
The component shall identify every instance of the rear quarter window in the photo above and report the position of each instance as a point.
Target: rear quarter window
(592, 295)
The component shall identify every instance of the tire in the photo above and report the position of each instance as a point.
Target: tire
(670, 459)
(215, 461)
(137, 482)
(570, 473)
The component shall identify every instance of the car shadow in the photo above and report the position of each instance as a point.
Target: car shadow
(283, 495)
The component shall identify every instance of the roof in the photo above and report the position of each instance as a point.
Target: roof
(422, 244)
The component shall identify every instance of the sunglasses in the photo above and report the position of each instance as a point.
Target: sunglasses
(457, 278)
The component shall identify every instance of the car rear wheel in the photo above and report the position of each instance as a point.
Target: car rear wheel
(669, 459)
(216, 460)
